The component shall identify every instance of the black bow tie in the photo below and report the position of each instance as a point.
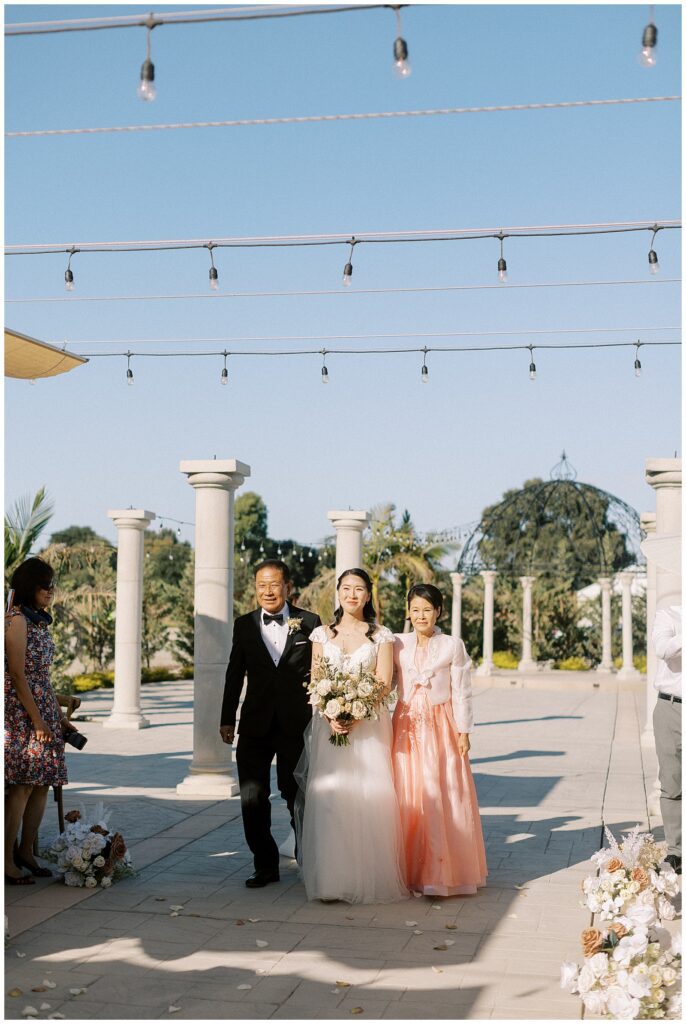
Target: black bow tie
(273, 618)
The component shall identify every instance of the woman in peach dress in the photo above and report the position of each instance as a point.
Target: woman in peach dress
(439, 813)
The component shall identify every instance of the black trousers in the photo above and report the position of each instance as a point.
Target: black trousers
(254, 755)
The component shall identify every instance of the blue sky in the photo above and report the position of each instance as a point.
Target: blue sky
(375, 433)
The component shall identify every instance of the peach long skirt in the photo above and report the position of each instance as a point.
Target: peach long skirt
(439, 813)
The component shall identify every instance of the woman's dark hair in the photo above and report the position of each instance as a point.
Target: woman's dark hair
(429, 593)
(27, 578)
(368, 614)
(274, 563)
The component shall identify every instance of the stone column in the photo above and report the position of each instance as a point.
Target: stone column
(126, 708)
(606, 665)
(627, 671)
(647, 737)
(457, 580)
(486, 667)
(214, 482)
(349, 527)
(664, 475)
(527, 664)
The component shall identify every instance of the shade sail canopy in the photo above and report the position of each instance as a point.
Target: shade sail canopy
(27, 359)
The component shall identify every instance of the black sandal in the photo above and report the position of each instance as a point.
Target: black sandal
(37, 871)
(22, 880)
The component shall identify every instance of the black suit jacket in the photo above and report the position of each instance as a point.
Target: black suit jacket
(272, 690)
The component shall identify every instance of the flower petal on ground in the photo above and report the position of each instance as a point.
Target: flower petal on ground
(261, 943)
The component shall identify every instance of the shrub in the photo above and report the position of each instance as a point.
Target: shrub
(186, 672)
(93, 681)
(573, 665)
(640, 662)
(158, 675)
(505, 659)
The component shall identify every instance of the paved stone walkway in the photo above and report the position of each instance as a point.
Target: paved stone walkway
(551, 763)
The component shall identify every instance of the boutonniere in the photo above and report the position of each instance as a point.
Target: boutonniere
(294, 626)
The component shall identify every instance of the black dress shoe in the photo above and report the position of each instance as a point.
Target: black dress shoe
(674, 862)
(261, 878)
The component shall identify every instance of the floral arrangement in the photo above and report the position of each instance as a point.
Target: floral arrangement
(346, 697)
(632, 967)
(88, 853)
(294, 625)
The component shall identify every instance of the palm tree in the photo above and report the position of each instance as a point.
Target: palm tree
(23, 526)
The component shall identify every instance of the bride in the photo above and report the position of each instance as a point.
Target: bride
(349, 839)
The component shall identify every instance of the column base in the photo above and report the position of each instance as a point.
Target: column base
(126, 720)
(208, 785)
(527, 666)
(628, 673)
(606, 670)
(486, 668)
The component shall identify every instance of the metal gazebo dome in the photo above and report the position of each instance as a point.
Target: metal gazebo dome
(521, 535)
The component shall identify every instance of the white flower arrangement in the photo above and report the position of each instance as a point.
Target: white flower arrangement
(632, 967)
(294, 625)
(87, 853)
(346, 697)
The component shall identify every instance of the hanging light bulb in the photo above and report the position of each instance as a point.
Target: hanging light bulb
(69, 274)
(129, 373)
(214, 274)
(532, 364)
(146, 86)
(653, 263)
(637, 361)
(224, 379)
(348, 268)
(401, 64)
(425, 368)
(502, 265)
(325, 372)
(647, 58)
(279, 552)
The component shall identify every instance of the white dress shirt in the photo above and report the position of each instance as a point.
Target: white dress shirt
(667, 643)
(275, 634)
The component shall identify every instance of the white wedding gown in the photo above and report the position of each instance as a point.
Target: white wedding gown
(349, 838)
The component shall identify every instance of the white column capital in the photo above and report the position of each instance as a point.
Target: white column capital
(131, 518)
(349, 519)
(663, 472)
(457, 578)
(625, 578)
(227, 474)
(527, 582)
(489, 575)
(648, 522)
(605, 583)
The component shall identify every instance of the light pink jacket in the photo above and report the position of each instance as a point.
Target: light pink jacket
(446, 676)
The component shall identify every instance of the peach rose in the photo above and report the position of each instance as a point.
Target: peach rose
(117, 847)
(100, 830)
(640, 876)
(619, 929)
(72, 816)
(615, 864)
(591, 941)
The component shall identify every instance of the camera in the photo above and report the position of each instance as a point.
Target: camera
(75, 739)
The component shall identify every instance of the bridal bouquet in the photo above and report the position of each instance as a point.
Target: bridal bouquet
(88, 853)
(632, 967)
(346, 697)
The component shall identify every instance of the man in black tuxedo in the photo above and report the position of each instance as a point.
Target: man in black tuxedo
(271, 645)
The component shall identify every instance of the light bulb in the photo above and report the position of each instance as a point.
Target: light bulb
(225, 376)
(214, 279)
(347, 274)
(532, 371)
(653, 263)
(425, 374)
(647, 58)
(146, 88)
(401, 64)
(325, 375)
(637, 367)
(129, 377)
(502, 270)
(69, 280)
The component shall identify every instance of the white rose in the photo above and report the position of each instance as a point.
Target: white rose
(359, 711)
(91, 882)
(665, 909)
(78, 864)
(595, 1002)
(676, 944)
(586, 979)
(73, 852)
(59, 844)
(599, 963)
(73, 878)
(674, 1006)
(99, 862)
(621, 1005)
(569, 972)
(668, 976)
(642, 913)
(365, 688)
(98, 842)
(106, 882)
(629, 947)
(323, 687)
(639, 982)
(333, 708)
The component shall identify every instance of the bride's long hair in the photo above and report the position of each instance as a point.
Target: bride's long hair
(368, 613)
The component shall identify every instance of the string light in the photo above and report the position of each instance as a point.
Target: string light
(69, 274)
(653, 263)
(425, 368)
(502, 265)
(401, 64)
(146, 88)
(325, 372)
(224, 379)
(348, 268)
(129, 375)
(637, 361)
(647, 57)
(532, 364)
(214, 274)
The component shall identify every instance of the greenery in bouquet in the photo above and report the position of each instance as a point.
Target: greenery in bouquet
(89, 853)
(346, 697)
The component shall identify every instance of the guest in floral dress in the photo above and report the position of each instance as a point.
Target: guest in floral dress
(34, 747)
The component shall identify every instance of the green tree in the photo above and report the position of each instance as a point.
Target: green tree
(23, 526)
(76, 535)
(182, 616)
